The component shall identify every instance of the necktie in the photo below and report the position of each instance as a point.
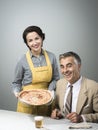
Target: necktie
(68, 101)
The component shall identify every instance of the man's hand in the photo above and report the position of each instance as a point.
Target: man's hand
(74, 117)
(56, 114)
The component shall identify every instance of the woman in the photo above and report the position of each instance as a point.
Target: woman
(37, 69)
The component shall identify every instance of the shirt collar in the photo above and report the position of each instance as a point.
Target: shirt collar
(76, 83)
(42, 53)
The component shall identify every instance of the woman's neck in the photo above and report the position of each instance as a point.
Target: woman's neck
(36, 53)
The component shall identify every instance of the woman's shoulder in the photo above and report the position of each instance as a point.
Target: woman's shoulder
(49, 52)
(21, 59)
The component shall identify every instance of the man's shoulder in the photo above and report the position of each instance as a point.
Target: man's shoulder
(61, 85)
(62, 81)
(90, 83)
(87, 80)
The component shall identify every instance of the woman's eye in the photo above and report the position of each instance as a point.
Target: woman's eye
(36, 38)
(30, 40)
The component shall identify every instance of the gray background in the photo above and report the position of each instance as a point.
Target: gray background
(69, 25)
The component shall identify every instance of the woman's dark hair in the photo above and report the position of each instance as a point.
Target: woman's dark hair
(70, 53)
(33, 29)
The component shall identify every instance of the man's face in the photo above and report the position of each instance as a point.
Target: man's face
(70, 68)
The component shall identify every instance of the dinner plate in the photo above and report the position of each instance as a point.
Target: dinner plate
(35, 97)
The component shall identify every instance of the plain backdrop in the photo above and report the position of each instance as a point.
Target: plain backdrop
(69, 25)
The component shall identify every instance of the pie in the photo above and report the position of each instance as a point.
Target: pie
(35, 96)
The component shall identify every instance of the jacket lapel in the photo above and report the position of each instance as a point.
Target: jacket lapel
(62, 94)
(82, 97)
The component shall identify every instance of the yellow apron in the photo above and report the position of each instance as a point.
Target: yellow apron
(41, 78)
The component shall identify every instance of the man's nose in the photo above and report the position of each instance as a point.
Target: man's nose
(65, 69)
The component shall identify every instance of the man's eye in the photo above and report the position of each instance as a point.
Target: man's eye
(61, 67)
(70, 65)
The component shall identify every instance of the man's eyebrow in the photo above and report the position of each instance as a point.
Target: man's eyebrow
(69, 64)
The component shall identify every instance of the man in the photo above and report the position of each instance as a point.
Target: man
(84, 106)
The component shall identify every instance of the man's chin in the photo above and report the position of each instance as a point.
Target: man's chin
(68, 79)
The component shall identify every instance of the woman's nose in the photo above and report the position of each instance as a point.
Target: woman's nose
(34, 42)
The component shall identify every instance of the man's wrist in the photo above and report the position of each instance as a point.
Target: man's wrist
(82, 118)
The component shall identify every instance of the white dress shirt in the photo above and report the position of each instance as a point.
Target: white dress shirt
(75, 93)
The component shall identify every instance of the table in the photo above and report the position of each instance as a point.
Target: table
(10, 120)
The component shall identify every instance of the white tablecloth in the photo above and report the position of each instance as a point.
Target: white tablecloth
(10, 120)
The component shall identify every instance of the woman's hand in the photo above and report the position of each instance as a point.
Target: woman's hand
(16, 94)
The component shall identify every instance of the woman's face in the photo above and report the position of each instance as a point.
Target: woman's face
(34, 41)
